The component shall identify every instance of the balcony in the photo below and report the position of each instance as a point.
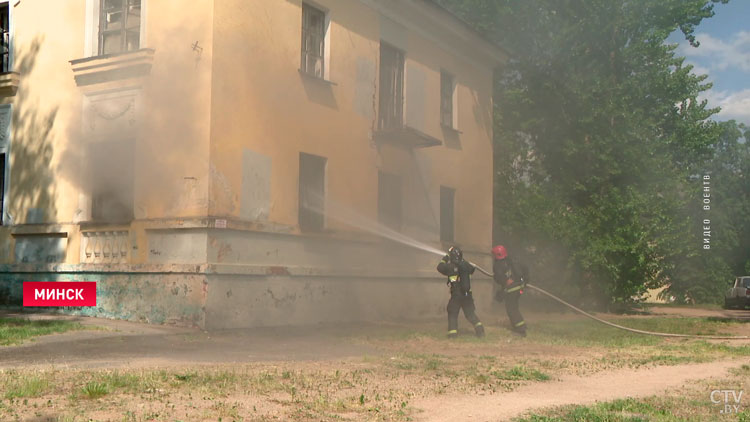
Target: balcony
(405, 136)
(9, 84)
(112, 67)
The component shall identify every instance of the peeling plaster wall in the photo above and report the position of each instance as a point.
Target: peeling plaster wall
(255, 197)
(235, 302)
(156, 298)
(217, 301)
(42, 249)
(184, 246)
(6, 245)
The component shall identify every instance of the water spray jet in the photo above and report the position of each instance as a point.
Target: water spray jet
(343, 214)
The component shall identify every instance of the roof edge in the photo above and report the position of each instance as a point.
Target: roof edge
(448, 13)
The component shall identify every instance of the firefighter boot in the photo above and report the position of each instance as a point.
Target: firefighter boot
(521, 333)
(479, 329)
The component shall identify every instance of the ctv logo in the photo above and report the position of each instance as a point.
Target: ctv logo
(59, 293)
(730, 398)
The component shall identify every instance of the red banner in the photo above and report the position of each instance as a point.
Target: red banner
(59, 293)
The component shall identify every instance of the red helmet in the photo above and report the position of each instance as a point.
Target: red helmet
(499, 252)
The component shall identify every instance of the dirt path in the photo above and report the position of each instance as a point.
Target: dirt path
(568, 390)
(686, 311)
(129, 344)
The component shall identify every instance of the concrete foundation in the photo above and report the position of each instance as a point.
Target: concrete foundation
(232, 278)
(266, 301)
(209, 300)
(152, 297)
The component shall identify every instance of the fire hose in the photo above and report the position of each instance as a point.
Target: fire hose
(611, 324)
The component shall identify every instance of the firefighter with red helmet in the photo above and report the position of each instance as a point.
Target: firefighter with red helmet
(510, 279)
(459, 273)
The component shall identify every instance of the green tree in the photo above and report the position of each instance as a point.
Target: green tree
(704, 273)
(598, 128)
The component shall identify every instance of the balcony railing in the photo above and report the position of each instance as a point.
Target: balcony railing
(105, 247)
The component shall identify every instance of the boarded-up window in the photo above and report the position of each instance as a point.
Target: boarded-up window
(391, 107)
(2, 187)
(311, 192)
(447, 196)
(119, 26)
(447, 89)
(111, 176)
(5, 41)
(313, 41)
(389, 200)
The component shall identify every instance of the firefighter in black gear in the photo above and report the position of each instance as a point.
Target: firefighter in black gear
(459, 273)
(510, 279)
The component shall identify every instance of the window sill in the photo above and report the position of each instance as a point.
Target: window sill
(9, 83)
(112, 67)
(451, 129)
(316, 79)
(43, 229)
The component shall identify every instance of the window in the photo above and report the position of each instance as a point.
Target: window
(119, 26)
(389, 200)
(447, 196)
(112, 207)
(447, 95)
(314, 30)
(5, 28)
(5, 121)
(112, 194)
(391, 107)
(311, 192)
(2, 187)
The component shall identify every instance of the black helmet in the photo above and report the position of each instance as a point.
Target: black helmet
(455, 254)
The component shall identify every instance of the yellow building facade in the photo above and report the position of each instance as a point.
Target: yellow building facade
(229, 163)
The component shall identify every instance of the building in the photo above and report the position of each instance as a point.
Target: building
(215, 165)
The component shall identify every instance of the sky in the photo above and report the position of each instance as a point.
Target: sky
(724, 55)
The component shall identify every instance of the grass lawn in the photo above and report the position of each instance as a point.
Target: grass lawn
(16, 330)
(690, 404)
(409, 362)
(586, 332)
